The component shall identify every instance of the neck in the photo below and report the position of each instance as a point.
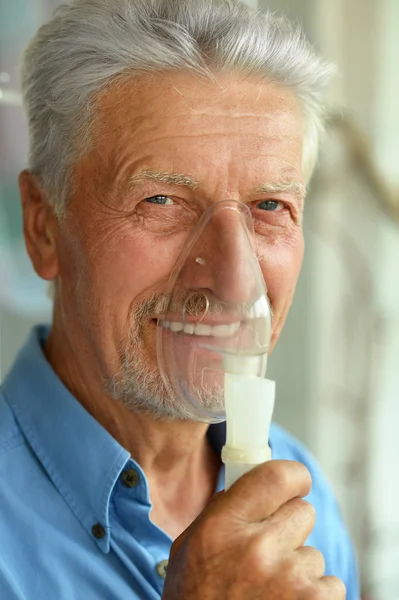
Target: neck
(161, 447)
(179, 464)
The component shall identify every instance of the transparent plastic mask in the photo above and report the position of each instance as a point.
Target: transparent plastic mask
(218, 315)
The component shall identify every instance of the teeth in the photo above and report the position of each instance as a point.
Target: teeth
(225, 330)
(259, 309)
(201, 329)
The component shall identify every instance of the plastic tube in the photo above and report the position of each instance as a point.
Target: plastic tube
(249, 401)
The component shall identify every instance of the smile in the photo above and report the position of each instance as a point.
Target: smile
(201, 329)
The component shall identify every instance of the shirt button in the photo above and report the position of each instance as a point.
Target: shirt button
(162, 567)
(130, 478)
(98, 531)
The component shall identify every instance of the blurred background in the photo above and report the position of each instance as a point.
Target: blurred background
(337, 364)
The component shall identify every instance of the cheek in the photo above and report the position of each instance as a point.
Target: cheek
(281, 264)
(141, 263)
(116, 265)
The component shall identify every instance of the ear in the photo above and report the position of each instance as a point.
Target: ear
(40, 227)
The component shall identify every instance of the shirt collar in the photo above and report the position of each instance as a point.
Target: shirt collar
(82, 459)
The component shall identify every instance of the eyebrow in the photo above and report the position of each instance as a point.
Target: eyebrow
(284, 186)
(165, 177)
(299, 189)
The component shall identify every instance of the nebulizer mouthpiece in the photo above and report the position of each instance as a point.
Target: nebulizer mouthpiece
(214, 336)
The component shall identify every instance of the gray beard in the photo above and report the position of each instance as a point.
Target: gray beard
(139, 385)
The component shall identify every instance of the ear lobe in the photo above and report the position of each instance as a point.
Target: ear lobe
(40, 227)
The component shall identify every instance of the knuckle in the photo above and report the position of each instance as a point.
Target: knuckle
(313, 593)
(335, 590)
(300, 513)
(313, 561)
(304, 510)
(296, 514)
(337, 587)
(280, 473)
(259, 555)
(302, 471)
(255, 551)
(317, 560)
(296, 578)
(273, 531)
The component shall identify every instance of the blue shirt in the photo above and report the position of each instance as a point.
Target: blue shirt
(75, 508)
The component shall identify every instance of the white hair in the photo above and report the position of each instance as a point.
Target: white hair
(90, 42)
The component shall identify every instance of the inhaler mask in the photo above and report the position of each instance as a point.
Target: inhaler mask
(213, 339)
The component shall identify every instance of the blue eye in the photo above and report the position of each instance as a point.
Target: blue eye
(159, 200)
(270, 205)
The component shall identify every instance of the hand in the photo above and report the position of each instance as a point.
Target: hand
(248, 543)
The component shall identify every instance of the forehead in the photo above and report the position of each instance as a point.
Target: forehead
(170, 116)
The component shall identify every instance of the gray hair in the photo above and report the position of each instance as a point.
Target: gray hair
(88, 43)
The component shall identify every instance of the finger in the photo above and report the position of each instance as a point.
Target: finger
(290, 526)
(310, 562)
(331, 588)
(304, 570)
(261, 491)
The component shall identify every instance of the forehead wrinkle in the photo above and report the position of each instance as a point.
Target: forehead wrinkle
(165, 177)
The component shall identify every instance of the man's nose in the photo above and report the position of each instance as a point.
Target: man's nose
(222, 260)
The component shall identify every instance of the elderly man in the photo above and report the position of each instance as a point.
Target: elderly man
(143, 114)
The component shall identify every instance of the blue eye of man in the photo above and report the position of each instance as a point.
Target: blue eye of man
(159, 200)
(271, 205)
